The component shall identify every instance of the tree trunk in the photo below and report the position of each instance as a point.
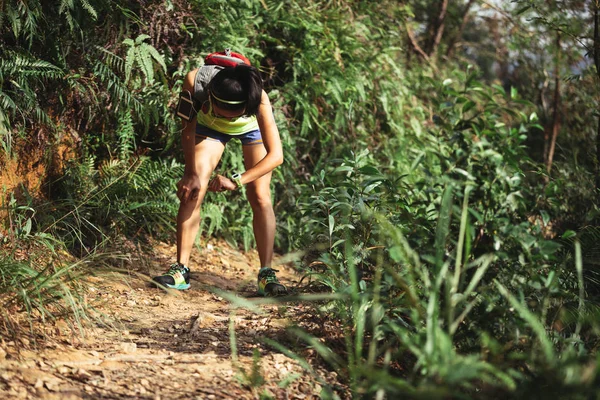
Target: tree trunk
(461, 29)
(555, 105)
(596, 55)
(438, 30)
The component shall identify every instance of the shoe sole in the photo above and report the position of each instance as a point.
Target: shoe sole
(271, 294)
(185, 286)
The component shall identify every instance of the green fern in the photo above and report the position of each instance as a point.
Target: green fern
(126, 135)
(120, 93)
(21, 77)
(69, 10)
(21, 18)
(144, 55)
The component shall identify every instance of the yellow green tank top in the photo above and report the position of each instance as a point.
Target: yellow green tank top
(229, 126)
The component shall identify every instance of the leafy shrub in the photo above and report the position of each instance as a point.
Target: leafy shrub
(443, 283)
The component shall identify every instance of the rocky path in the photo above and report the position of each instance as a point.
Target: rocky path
(168, 345)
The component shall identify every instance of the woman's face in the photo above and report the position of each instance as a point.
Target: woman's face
(229, 114)
(222, 113)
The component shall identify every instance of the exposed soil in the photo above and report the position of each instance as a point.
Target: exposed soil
(171, 345)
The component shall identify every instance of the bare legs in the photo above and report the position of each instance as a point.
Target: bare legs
(207, 155)
(259, 196)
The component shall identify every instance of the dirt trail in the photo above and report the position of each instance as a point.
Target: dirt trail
(168, 345)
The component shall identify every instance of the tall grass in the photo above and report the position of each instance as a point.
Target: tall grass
(409, 329)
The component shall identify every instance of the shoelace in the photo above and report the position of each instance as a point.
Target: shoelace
(268, 273)
(174, 268)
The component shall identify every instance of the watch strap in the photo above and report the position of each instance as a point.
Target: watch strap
(237, 179)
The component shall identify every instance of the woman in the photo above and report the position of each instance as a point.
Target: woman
(233, 104)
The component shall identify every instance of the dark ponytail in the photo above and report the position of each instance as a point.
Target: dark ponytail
(237, 88)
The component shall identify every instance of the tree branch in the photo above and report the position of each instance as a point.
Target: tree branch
(439, 30)
(461, 29)
(415, 44)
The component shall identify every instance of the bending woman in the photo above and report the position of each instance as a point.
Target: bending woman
(233, 104)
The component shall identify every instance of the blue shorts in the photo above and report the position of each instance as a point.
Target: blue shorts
(248, 138)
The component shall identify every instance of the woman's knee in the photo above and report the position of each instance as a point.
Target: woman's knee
(259, 199)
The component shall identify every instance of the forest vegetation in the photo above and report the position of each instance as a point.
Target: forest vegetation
(441, 173)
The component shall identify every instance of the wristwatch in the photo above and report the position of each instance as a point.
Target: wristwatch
(237, 178)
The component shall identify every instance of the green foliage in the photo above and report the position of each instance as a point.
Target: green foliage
(437, 305)
(144, 55)
(46, 286)
(19, 76)
(120, 197)
(409, 185)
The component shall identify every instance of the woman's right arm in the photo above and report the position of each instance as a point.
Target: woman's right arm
(189, 186)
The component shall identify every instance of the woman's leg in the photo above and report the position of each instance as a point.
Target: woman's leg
(207, 155)
(259, 196)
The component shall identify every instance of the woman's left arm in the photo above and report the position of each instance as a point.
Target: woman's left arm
(271, 141)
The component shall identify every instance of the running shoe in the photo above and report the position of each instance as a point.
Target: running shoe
(177, 277)
(268, 284)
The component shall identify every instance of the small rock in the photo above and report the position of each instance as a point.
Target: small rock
(63, 370)
(128, 347)
(83, 374)
(304, 387)
(130, 303)
(52, 386)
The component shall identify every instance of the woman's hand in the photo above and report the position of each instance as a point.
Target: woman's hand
(221, 183)
(188, 188)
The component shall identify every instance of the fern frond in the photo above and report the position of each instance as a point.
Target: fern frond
(145, 61)
(17, 65)
(116, 87)
(112, 60)
(88, 7)
(157, 56)
(6, 102)
(126, 135)
(64, 8)
(140, 39)
(129, 61)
